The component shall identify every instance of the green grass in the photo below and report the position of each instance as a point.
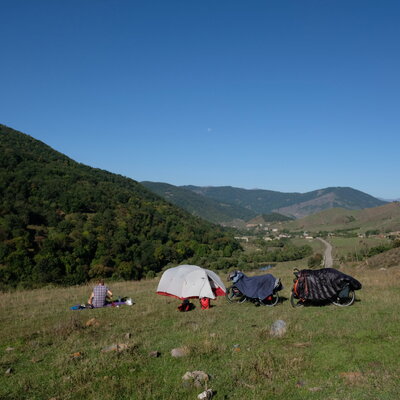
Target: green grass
(343, 246)
(328, 352)
(317, 246)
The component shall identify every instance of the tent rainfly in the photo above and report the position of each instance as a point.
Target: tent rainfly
(190, 281)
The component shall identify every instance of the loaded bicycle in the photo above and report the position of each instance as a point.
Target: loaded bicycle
(261, 290)
(326, 285)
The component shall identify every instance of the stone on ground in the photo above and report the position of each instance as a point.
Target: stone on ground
(180, 352)
(195, 378)
(278, 328)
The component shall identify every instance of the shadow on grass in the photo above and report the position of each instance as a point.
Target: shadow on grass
(320, 303)
(283, 300)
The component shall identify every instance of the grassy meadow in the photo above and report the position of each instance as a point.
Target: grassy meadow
(354, 245)
(317, 246)
(48, 352)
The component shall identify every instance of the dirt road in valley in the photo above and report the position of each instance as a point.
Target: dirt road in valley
(328, 261)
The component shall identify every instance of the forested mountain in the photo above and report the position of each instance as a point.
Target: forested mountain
(64, 222)
(291, 204)
(265, 219)
(224, 204)
(197, 204)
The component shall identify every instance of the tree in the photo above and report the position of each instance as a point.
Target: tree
(315, 260)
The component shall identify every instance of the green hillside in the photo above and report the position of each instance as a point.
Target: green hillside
(272, 217)
(260, 201)
(64, 222)
(387, 259)
(197, 204)
(384, 218)
(291, 204)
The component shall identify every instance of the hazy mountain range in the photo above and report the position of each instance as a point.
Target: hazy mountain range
(224, 204)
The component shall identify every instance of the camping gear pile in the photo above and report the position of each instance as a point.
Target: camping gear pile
(121, 301)
(327, 284)
(261, 290)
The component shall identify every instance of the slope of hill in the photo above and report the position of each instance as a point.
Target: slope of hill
(64, 222)
(207, 208)
(291, 204)
(387, 259)
(269, 219)
(384, 218)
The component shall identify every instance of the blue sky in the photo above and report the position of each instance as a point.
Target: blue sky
(281, 95)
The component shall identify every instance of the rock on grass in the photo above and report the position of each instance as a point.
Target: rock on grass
(179, 352)
(195, 378)
(278, 328)
(115, 347)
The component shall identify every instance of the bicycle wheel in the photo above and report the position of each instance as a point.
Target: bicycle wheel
(345, 301)
(270, 301)
(233, 295)
(295, 302)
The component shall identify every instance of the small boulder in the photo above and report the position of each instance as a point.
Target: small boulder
(154, 354)
(206, 395)
(195, 378)
(278, 328)
(115, 347)
(180, 352)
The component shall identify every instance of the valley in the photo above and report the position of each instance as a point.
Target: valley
(63, 225)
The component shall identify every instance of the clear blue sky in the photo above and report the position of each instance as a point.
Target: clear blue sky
(282, 95)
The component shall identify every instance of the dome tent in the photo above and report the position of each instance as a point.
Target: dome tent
(190, 281)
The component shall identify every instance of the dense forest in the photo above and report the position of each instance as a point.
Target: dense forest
(275, 217)
(65, 223)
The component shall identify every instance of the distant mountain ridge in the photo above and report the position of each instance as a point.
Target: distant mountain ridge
(199, 205)
(250, 203)
(294, 205)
